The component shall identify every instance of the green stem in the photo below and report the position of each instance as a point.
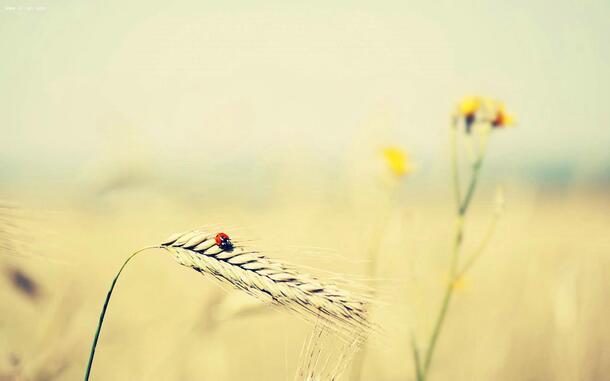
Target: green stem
(104, 309)
(459, 234)
(476, 169)
(445, 303)
(421, 373)
(490, 231)
(416, 359)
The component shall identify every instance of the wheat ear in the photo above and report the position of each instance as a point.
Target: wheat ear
(268, 280)
(271, 281)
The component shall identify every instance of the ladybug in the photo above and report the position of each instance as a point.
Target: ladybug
(223, 241)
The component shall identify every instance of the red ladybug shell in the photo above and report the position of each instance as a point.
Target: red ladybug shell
(220, 238)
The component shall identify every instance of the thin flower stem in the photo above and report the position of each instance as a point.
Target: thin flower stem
(437, 330)
(105, 308)
(421, 373)
(475, 256)
(459, 235)
(445, 304)
(416, 358)
(476, 169)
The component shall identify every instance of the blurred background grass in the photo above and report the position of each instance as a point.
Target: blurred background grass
(124, 123)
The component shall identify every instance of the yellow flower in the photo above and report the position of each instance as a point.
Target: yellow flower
(483, 111)
(502, 118)
(468, 106)
(398, 161)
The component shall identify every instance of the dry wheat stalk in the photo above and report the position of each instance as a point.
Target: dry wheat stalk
(271, 281)
(342, 312)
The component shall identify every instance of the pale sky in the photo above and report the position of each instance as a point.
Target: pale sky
(191, 84)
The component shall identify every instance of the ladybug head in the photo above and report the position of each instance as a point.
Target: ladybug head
(223, 241)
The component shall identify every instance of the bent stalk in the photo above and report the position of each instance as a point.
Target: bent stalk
(104, 309)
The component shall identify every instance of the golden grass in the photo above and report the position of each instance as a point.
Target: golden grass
(534, 307)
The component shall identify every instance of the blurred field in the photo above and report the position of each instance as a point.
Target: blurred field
(124, 122)
(534, 308)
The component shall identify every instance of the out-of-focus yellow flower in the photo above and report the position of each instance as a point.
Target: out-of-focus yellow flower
(483, 111)
(398, 161)
(468, 106)
(502, 118)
